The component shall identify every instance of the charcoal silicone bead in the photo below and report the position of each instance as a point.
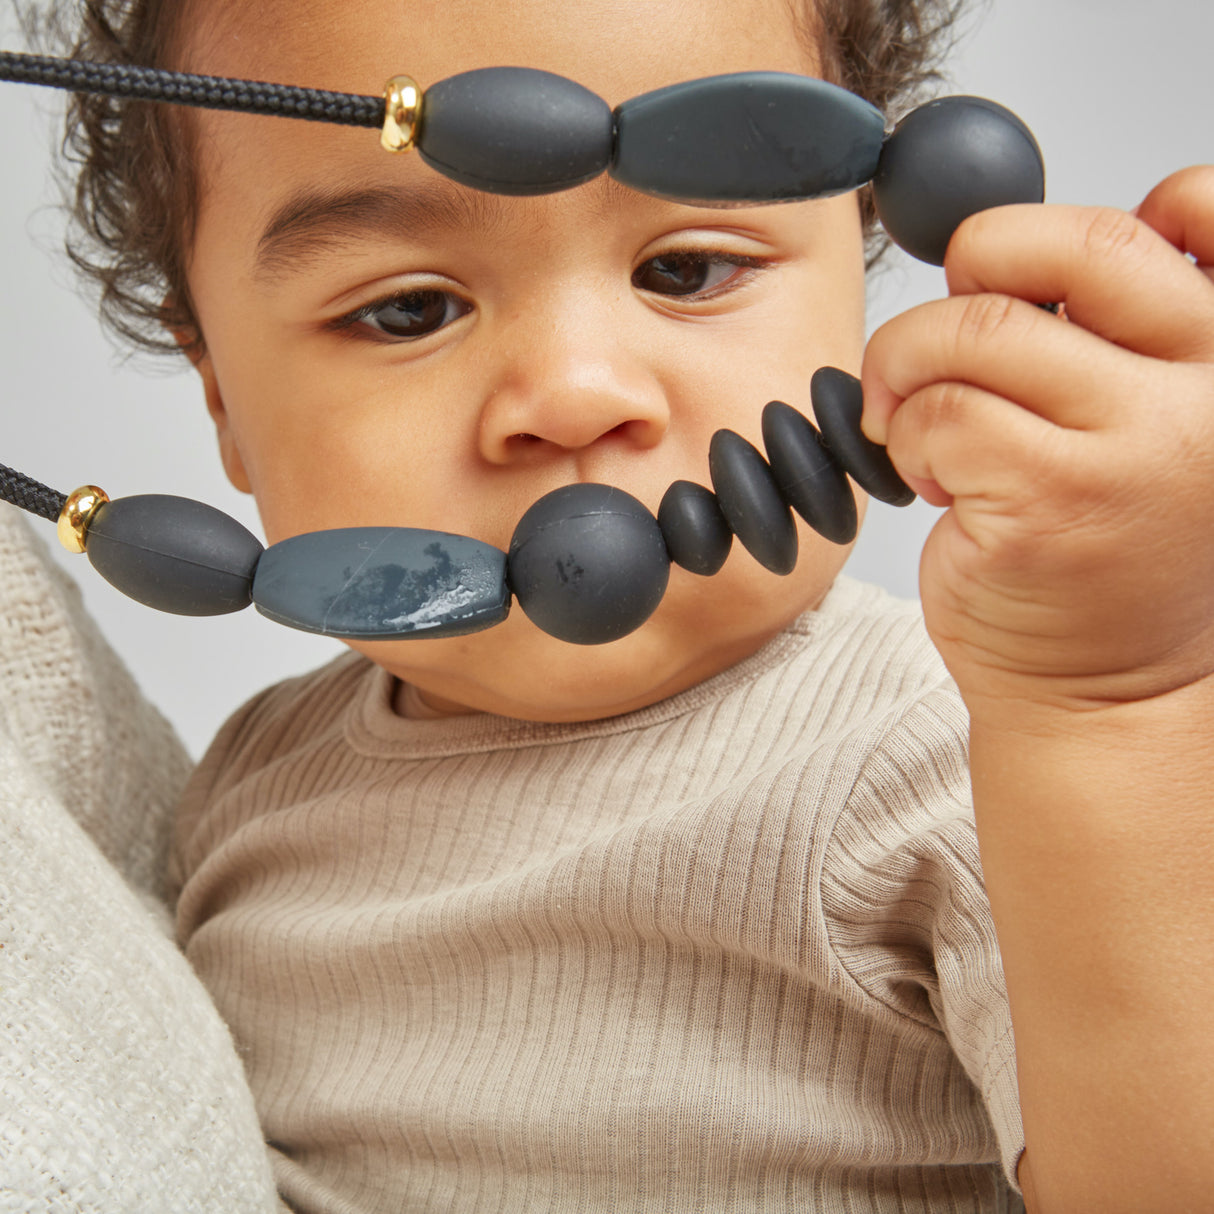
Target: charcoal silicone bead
(697, 536)
(174, 554)
(383, 583)
(515, 130)
(588, 564)
(948, 160)
(751, 501)
(838, 401)
(808, 478)
(747, 137)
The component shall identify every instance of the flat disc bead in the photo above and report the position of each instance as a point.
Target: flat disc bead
(697, 536)
(838, 402)
(808, 478)
(747, 137)
(515, 130)
(751, 502)
(588, 564)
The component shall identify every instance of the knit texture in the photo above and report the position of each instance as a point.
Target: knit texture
(120, 1091)
(730, 952)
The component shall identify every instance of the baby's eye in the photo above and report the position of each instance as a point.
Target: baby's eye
(691, 273)
(408, 315)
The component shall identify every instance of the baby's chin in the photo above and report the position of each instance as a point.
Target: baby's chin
(515, 670)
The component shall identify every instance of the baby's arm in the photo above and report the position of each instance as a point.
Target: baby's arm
(1070, 589)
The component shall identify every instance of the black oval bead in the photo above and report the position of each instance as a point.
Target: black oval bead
(808, 478)
(948, 160)
(383, 583)
(838, 401)
(588, 564)
(751, 502)
(515, 130)
(697, 536)
(747, 137)
(174, 554)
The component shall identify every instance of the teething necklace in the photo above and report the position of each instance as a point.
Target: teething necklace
(587, 563)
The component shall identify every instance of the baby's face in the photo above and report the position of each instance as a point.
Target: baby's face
(385, 347)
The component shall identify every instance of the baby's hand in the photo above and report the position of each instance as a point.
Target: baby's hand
(1075, 564)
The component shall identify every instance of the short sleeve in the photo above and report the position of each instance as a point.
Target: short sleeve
(910, 919)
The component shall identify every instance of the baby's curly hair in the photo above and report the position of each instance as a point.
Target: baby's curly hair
(134, 189)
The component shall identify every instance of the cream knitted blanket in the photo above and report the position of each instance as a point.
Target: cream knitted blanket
(120, 1090)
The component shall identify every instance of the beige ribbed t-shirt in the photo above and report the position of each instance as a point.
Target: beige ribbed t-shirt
(731, 952)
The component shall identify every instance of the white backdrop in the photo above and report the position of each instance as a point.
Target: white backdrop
(1118, 92)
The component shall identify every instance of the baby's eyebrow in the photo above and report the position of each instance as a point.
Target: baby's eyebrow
(311, 223)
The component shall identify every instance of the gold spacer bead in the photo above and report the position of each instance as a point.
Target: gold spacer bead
(76, 515)
(402, 113)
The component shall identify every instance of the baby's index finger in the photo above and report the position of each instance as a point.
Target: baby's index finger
(1181, 209)
(1119, 278)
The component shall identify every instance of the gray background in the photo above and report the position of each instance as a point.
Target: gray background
(1119, 94)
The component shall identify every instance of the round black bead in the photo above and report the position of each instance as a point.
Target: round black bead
(588, 564)
(751, 501)
(174, 554)
(515, 130)
(809, 479)
(838, 402)
(697, 536)
(948, 160)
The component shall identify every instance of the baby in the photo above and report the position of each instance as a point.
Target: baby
(695, 919)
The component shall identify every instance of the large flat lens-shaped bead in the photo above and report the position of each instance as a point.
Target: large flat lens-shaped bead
(515, 130)
(838, 402)
(751, 502)
(697, 536)
(747, 137)
(383, 583)
(808, 478)
(174, 554)
(947, 160)
(588, 564)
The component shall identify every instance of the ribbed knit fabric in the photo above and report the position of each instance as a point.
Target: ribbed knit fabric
(730, 952)
(120, 1092)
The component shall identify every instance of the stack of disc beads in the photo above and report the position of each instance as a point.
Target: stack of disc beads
(589, 563)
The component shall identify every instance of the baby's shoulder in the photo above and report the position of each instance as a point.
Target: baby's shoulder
(295, 714)
(861, 672)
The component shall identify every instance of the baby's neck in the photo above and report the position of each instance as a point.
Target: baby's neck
(409, 702)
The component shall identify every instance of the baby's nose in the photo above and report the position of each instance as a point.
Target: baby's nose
(562, 393)
(571, 408)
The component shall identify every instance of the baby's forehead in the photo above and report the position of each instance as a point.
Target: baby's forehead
(615, 50)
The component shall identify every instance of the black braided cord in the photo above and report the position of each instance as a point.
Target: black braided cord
(181, 88)
(29, 494)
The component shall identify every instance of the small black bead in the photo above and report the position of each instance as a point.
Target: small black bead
(809, 479)
(838, 401)
(174, 554)
(514, 130)
(588, 564)
(751, 501)
(697, 536)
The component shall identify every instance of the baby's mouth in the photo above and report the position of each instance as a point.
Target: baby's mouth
(588, 563)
